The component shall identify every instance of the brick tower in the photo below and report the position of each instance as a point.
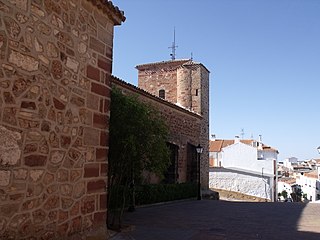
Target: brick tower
(185, 83)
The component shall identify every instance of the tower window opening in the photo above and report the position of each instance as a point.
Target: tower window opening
(162, 94)
(196, 92)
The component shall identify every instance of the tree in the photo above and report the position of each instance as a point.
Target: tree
(296, 194)
(284, 194)
(138, 138)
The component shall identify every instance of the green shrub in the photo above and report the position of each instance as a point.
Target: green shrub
(155, 193)
(284, 194)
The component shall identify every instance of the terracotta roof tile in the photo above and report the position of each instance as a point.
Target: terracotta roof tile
(268, 148)
(218, 144)
(312, 174)
(171, 63)
(288, 180)
(215, 146)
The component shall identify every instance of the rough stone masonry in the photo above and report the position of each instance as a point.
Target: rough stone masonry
(55, 68)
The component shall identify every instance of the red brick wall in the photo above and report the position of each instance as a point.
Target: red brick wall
(55, 67)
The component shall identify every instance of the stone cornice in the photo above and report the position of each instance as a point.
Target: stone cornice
(169, 65)
(110, 10)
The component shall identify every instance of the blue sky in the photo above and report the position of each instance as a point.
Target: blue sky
(264, 59)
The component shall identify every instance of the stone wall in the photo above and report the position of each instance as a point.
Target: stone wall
(204, 105)
(55, 67)
(157, 76)
(184, 126)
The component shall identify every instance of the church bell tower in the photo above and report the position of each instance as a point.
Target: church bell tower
(186, 84)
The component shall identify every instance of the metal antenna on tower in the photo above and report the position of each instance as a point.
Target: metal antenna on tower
(173, 46)
(242, 133)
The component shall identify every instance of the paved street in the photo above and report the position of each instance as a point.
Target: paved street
(222, 220)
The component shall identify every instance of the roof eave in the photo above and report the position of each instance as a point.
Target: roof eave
(145, 93)
(143, 66)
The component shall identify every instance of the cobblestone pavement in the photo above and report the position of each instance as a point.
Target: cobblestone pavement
(222, 220)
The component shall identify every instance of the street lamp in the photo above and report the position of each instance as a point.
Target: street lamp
(199, 151)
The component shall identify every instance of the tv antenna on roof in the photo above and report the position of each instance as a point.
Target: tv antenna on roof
(242, 133)
(173, 46)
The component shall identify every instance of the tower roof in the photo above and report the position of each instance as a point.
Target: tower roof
(173, 64)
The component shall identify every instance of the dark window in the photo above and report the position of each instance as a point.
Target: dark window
(162, 94)
(171, 176)
(192, 172)
(196, 92)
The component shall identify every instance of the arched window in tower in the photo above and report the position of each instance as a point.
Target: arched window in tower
(162, 94)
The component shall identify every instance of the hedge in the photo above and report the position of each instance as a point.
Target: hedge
(150, 193)
(155, 193)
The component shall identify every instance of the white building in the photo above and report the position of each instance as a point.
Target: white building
(290, 163)
(313, 164)
(285, 186)
(310, 184)
(245, 166)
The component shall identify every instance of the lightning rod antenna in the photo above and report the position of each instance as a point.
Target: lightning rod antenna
(173, 46)
(242, 133)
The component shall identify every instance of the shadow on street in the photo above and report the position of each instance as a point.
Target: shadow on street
(221, 220)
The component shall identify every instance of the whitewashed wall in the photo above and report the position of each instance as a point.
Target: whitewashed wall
(268, 154)
(309, 186)
(246, 183)
(244, 156)
(284, 186)
(217, 158)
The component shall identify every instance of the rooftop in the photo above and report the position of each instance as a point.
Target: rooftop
(147, 94)
(218, 144)
(312, 174)
(174, 64)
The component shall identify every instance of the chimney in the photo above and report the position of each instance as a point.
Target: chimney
(236, 139)
(213, 137)
(260, 143)
(254, 143)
